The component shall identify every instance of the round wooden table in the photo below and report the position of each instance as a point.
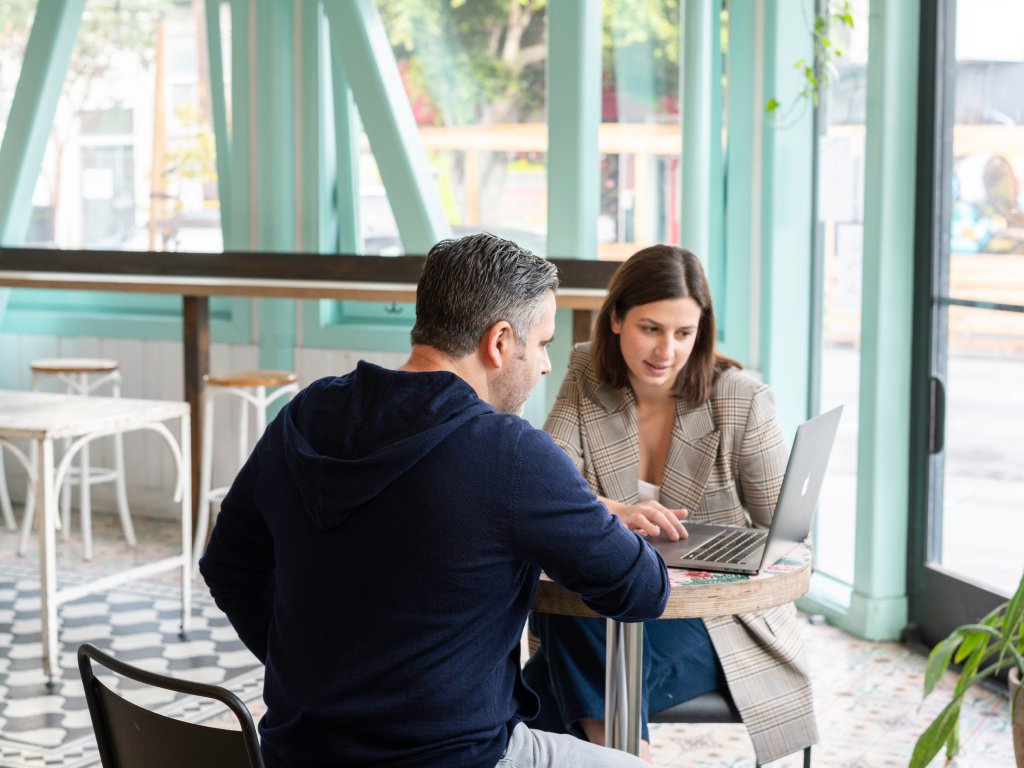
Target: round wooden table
(695, 594)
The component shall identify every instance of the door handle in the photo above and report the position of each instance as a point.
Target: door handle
(937, 416)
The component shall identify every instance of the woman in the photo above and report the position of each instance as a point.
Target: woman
(659, 423)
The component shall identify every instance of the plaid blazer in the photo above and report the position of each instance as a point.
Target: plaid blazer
(725, 465)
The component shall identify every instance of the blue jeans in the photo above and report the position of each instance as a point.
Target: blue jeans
(567, 671)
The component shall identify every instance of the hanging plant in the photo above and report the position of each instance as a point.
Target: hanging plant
(820, 71)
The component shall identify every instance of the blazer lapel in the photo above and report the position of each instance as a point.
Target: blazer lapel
(691, 455)
(615, 448)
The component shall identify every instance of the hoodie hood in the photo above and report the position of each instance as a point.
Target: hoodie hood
(347, 438)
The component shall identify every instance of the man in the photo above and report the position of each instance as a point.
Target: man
(380, 549)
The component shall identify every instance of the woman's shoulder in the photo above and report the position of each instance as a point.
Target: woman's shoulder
(737, 384)
(581, 363)
(583, 368)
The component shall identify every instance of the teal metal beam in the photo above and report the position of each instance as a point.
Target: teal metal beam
(574, 116)
(701, 169)
(275, 35)
(347, 132)
(43, 72)
(574, 164)
(357, 34)
(878, 607)
(313, 205)
(786, 216)
(218, 102)
(737, 308)
(239, 231)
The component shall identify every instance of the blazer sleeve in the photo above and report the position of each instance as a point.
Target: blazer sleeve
(563, 422)
(762, 458)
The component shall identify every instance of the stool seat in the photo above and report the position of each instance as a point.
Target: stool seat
(74, 365)
(251, 378)
(712, 707)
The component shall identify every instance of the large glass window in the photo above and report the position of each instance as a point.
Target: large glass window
(129, 163)
(475, 75)
(978, 523)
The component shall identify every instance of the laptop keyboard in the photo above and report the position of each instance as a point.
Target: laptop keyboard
(730, 547)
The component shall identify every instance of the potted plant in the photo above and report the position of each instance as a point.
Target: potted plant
(994, 644)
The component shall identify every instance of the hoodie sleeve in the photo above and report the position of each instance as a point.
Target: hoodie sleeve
(557, 523)
(239, 562)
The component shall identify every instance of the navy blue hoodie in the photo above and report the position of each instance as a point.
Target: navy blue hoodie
(379, 552)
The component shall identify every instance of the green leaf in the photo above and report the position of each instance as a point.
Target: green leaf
(968, 646)
(938, 661)
(772, 105)
(937, 734)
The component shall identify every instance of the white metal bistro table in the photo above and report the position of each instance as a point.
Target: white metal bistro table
(695, 594)
(43, 418)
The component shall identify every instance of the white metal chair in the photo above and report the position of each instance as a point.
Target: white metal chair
(83, 376)
(5, 498)
(252, 389)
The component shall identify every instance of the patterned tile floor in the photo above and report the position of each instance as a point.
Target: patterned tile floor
(868, 694)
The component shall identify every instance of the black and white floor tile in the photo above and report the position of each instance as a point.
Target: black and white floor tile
(138, 623)
(867, 695)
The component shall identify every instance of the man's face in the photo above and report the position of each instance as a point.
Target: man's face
(526, 362)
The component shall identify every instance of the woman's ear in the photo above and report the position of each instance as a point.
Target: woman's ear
(615, 322)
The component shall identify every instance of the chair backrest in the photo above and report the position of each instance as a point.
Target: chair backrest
(129, 735)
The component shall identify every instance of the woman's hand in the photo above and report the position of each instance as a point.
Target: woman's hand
(649, 518)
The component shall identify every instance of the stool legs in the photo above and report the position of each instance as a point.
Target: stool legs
(84, 503)
(119, 482)
(30, 505)
(5, 498)
(205, 483)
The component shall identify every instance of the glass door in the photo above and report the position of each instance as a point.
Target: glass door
(967, 541)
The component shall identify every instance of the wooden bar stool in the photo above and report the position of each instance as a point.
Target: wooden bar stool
(251, 387)
(83, 376)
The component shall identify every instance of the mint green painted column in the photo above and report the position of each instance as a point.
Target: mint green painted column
(218, 105)
(574, 116)
(878, 607)
(700, 216)
(274, 127)
(347, 131)
(574, 191)
(786, 205)
(741, 231)
(47, 55)
(239, 229)
(358, 35)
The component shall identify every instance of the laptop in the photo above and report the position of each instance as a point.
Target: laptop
(733, 549)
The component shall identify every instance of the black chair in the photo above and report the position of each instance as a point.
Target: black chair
(129, 735)
(714, 707)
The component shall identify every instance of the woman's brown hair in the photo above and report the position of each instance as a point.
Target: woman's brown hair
(654, 274)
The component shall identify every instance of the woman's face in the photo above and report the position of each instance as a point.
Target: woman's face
(656, 340)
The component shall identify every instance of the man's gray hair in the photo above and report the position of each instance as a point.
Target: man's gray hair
(471, 283)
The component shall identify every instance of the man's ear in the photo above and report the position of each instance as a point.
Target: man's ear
(497, 341)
